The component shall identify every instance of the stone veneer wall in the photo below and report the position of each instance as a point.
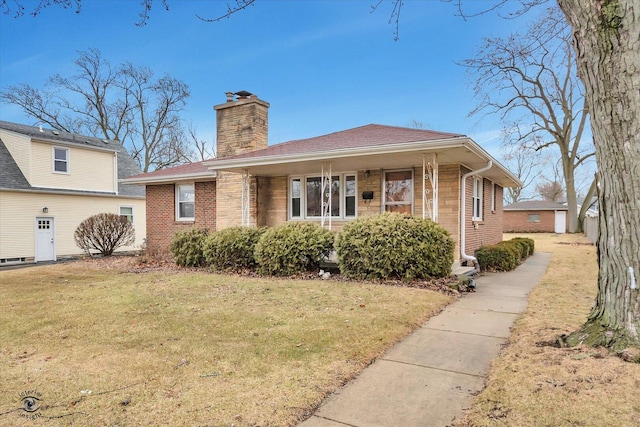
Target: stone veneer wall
(242, 127)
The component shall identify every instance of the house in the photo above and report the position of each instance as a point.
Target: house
(329, 180)
(535, 216)
(50, 181)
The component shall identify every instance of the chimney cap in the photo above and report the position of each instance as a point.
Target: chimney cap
(244, 94)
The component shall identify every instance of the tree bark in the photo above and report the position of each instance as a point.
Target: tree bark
(607, 43)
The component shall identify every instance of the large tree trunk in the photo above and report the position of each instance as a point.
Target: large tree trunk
(607, 42)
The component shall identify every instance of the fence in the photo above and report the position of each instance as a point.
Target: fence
(590, 227)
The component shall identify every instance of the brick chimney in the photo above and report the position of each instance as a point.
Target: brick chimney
(242, 124)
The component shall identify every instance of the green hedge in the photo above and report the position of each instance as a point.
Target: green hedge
(187, 247)
(293, 247)
(232, 248)
(392, 245)
(506, 255)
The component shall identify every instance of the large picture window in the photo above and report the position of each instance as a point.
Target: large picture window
(477, 199)
(185, 202)
(398, 191)
(306, 196)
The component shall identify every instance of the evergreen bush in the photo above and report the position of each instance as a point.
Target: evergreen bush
(187, 247)
(506, 255)
(293, 247)
(232, 248)
(392, 245)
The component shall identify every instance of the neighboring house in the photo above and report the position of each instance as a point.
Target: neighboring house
(535, 216)
(328, 180)
(50, 181)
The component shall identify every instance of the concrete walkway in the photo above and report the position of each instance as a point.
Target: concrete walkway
(429, 378)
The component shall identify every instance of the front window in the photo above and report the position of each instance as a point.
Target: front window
(60, 160)
(533, 218)
(306, 197)
(477, 199)
(127, 212)
(398, 191)
(185, 202)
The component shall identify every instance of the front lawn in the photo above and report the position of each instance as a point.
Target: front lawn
(98, 346)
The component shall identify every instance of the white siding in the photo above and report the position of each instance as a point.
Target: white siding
(20, 148)
(18, 211)
(89, 170)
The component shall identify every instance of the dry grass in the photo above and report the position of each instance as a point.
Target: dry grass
(535, 384)
(108, 347)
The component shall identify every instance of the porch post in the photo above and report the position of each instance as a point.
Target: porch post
(430, 174)
(326, 189)
(246, 198)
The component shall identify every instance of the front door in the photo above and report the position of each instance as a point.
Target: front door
(45, 240)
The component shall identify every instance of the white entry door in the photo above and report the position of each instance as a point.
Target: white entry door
(45, 239)
(561, 222)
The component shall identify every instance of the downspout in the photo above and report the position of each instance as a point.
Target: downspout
(463, 200)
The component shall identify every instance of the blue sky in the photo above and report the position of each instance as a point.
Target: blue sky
(324, 66)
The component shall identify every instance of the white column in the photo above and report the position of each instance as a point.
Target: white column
(246, 199)
(430, 187)
(325, 217)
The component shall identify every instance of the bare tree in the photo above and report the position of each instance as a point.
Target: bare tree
(526, 164)
(552, 191)
(531, 79)
(125, 103)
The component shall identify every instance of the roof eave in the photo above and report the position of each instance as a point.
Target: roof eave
(167, 179)
(231, 164)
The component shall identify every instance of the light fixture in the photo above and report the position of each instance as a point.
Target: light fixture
(45, 210)
(367, 173)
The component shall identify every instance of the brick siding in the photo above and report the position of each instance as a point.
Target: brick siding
(488, 231)
(517, 222)
(161, 213)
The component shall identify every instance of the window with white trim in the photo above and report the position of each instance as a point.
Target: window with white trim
(398, 191)
(476, 199)
(185, 202)
(493, 196)
(127, 212)
(306, 196)
(60, 160)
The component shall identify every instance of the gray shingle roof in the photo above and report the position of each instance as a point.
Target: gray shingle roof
(11, 176)
(536, 205)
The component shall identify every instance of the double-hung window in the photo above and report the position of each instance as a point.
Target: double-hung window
(60, 160)
(476, 199)
(185, 202)
(398, 191)
(127, 212)
(308, 199)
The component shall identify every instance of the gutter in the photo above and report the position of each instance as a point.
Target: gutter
(463, 188)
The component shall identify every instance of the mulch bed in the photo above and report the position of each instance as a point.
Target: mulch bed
(141, 263)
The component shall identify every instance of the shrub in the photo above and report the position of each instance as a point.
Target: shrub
(104, 232)
(503, 256)
(232, 248)
(392, 245)
(293, 247)
(528, 243)
(187, 247)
